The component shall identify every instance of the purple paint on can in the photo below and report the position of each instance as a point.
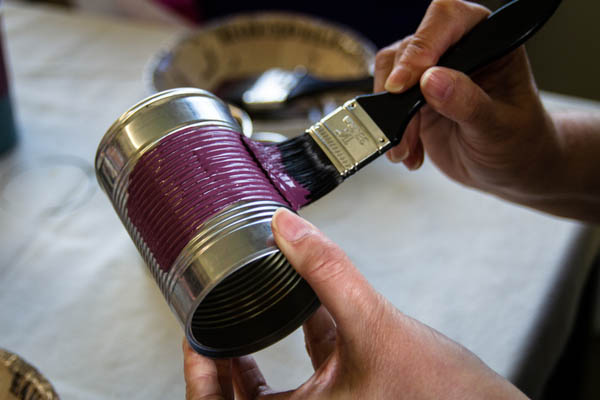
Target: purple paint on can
(187, 178)
(269, 157)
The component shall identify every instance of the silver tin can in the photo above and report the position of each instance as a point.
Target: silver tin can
(222, 275)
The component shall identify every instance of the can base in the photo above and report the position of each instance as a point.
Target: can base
(235, 290)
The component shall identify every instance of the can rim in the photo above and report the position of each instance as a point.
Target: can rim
(149, 101)
(149, 121)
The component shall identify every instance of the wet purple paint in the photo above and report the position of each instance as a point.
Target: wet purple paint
(189, 177)
(269, 157)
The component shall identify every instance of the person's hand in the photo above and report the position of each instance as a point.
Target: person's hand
(489, 131)
(363, 348)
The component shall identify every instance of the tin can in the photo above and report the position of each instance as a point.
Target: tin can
(8, 135)
(199, 210)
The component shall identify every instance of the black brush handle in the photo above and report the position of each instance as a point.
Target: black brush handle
(501, 32)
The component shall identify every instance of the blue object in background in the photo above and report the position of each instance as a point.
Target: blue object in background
(8, 134)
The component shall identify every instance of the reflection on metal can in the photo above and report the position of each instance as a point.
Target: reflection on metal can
(8, 136)
(199, 210)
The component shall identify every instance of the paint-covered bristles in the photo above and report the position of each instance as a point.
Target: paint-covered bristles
(298, 168)
(304, 160)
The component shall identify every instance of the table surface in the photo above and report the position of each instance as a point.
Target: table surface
(77, 302)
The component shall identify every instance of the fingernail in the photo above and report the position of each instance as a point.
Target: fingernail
(397, 156)
(437, 84)
(290, 226)
(398, 79)
(416, 161)
(416, 165)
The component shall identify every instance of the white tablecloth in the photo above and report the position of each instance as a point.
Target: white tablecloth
(77, 302)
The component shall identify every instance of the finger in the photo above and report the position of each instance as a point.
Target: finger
(224, 375)
(416, 158)
(319, 335)
(280, 395)
(445, 22)
(201, 376)
(338, 284)
(409, 143)
(455, 96)
(384, 62)
(248, 379)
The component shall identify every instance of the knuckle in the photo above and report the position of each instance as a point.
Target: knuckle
(459, 15)
(419, 50)
(456, 8)
(459, 11)
(478, 11)
(392, 48)
(385, 58)
(385, 53)
(446, 8)
(382, 62)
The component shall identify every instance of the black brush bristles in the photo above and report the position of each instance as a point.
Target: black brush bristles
(308, 165)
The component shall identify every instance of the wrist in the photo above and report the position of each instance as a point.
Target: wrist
(579, 135)
(539, 155)
(564, 181)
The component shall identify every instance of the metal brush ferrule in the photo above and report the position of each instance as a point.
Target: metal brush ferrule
(349, 137)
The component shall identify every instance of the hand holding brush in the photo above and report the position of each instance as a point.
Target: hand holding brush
(350, 363)
(490, 130)
(367, 126)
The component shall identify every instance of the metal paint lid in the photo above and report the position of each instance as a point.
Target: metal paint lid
(247, 44)
(19, 380)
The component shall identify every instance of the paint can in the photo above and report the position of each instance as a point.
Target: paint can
(8, 134)
(199, 210)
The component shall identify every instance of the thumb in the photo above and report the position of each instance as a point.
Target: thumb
(341, 288)
(455, 96)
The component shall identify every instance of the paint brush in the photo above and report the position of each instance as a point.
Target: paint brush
(277, 88)
(309, 166)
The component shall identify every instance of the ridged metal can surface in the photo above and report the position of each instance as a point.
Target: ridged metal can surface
(199, 210)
